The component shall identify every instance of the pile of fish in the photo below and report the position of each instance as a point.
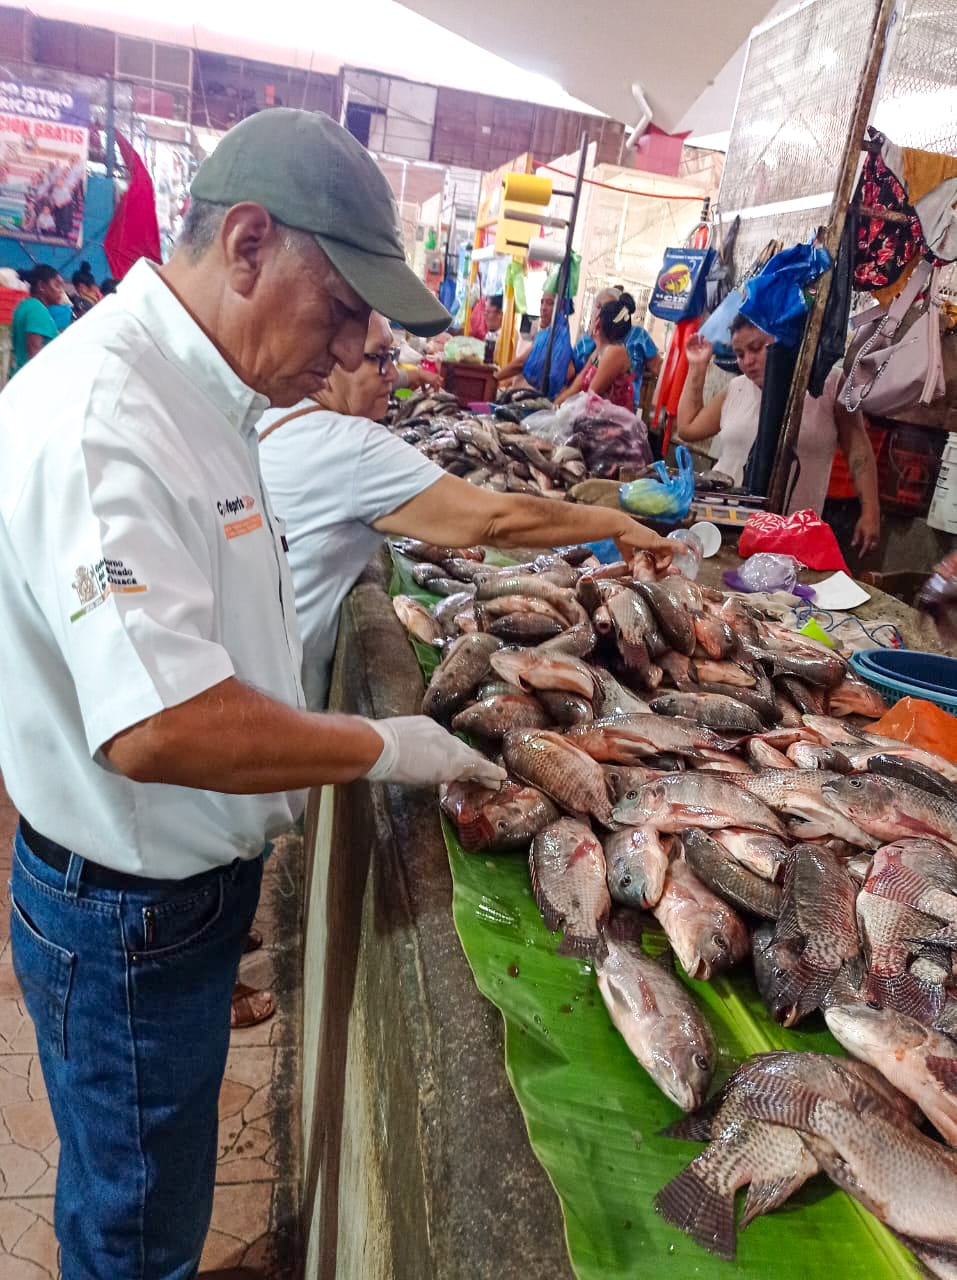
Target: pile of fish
(492, 452)
(672, 752)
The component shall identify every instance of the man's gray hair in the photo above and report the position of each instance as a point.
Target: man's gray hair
(204, 221)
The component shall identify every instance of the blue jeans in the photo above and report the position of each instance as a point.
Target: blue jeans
(130, 995)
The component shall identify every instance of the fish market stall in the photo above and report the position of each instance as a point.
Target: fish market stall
(722, 891)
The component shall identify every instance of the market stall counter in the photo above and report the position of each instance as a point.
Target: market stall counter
(416, 1158)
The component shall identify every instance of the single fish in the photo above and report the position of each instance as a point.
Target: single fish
(633, 622)
(891, 810)
(764, 756)
(637, 860)
(887, 746)
(526, 628)
(627, 739)
(712, 709)
(458, 675)
(785, 712)
(509, 606)
(816, 932)
(801, 795)
(829, 729)
(416, 550)
(921, 874)
(705, 933)
(554, 764)
(566, 708)
(714, 636)
(493, 717)
(823, 669)
(720, 871)
(613, 698)
(809, 699)
(417, 620)
(758, 699)
(465, 568)
(772, 1160)
(807, 755)
(735, 674)
(568, 882)
(676, 623)
(577, 641)
(763, 854)
(908, 1181)
(891, 933)
(445, 611)
(425, 573)
(886, 765)
(533, 670)
(680, 671)
(852, 697)
(657, 1016)
(694, 799)
(917, 1060)
(534, 587)
(499, 820)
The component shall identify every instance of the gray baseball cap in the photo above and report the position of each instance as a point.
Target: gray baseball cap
(311, 174)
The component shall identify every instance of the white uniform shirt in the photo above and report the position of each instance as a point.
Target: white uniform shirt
(330, 478)
(140, 564)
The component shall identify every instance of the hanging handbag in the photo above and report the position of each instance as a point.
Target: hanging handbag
(679, 291)
(895, 361)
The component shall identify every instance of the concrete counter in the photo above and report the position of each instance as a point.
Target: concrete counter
(417, 1162)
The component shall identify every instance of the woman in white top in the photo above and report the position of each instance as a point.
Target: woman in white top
(732, 416)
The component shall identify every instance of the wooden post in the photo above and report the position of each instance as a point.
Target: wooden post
(853, 145)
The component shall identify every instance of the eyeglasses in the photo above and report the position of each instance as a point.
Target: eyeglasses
(382, 358)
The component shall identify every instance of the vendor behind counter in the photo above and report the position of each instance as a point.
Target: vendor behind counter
(732, 417)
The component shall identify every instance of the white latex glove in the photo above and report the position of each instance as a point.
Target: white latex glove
(418, 751)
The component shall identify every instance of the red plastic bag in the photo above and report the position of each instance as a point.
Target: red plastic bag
(803, 535)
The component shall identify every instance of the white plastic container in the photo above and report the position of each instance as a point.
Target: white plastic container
(943, 508)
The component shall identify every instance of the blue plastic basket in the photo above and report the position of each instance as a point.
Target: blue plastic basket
(906, 673)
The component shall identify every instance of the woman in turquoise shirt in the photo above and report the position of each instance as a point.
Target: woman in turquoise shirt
(33, 324)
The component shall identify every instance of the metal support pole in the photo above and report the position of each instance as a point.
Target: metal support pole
(787, 442)
(566, 261)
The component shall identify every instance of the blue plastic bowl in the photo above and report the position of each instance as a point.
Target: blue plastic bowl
(906, 673)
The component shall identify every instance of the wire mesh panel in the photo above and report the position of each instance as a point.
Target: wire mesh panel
(796, 101)
(918, 90)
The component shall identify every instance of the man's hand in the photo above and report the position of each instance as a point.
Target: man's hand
(698, 351)
(636, 537)
(867, 532)
(417, 751)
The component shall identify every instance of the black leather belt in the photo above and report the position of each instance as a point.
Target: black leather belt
(55, 856)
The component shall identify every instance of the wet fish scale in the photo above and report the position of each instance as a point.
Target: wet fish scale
(568, 881)
(553, 764)
(890, 810)
(716, 868)
(501, 819)
(493, 717)
(459, 674)
(695, 799)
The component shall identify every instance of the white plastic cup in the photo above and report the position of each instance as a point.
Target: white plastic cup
(709, 538)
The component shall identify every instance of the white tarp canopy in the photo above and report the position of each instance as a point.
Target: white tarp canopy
(596, 49)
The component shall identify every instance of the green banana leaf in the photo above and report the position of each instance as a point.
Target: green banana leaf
(594, 1116)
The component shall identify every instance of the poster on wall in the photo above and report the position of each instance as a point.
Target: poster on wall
(44, 140)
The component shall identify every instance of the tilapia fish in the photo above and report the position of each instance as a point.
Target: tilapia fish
(568, 881)
(891, 933)
(808, 755)
(658, 1018)
(816, 932)
(566, 708)
(492, 718)
(712, 709)
(577, 641)
(417, 620)
(459, 673)
(716, 868)
(802, 795)
(525, 628)
(637, 860)
(917, 1060)
(919, 873)
(534, 587)
(908, 1181)
(693, 799)
(765, 855)
(416, 550)
(886, 765)
(553, 763)
(613, 698)
(853, 697)
(705, 933)
(534, 670)
(772, 1160)
(629, 738)
(890, 810)
(496, 820)
(676, 623)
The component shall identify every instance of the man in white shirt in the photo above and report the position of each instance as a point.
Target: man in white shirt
(152, 730)
(341, 482)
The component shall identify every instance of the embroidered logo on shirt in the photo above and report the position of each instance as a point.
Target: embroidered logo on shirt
(94, 582)
(235, 528)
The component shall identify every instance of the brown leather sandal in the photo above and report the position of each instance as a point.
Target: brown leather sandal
(250, 1006)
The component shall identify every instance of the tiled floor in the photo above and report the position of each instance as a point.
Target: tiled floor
(254, 1211)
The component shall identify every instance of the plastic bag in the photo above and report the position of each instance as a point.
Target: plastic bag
(775, 300)
(766, 572)
(717, 327)
(803, 535)
(922, 724)
(558, 424)
(468, 349)
(533, 370)
(667, 498)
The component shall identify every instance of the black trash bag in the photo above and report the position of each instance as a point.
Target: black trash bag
(837, 312)
(779, 367)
